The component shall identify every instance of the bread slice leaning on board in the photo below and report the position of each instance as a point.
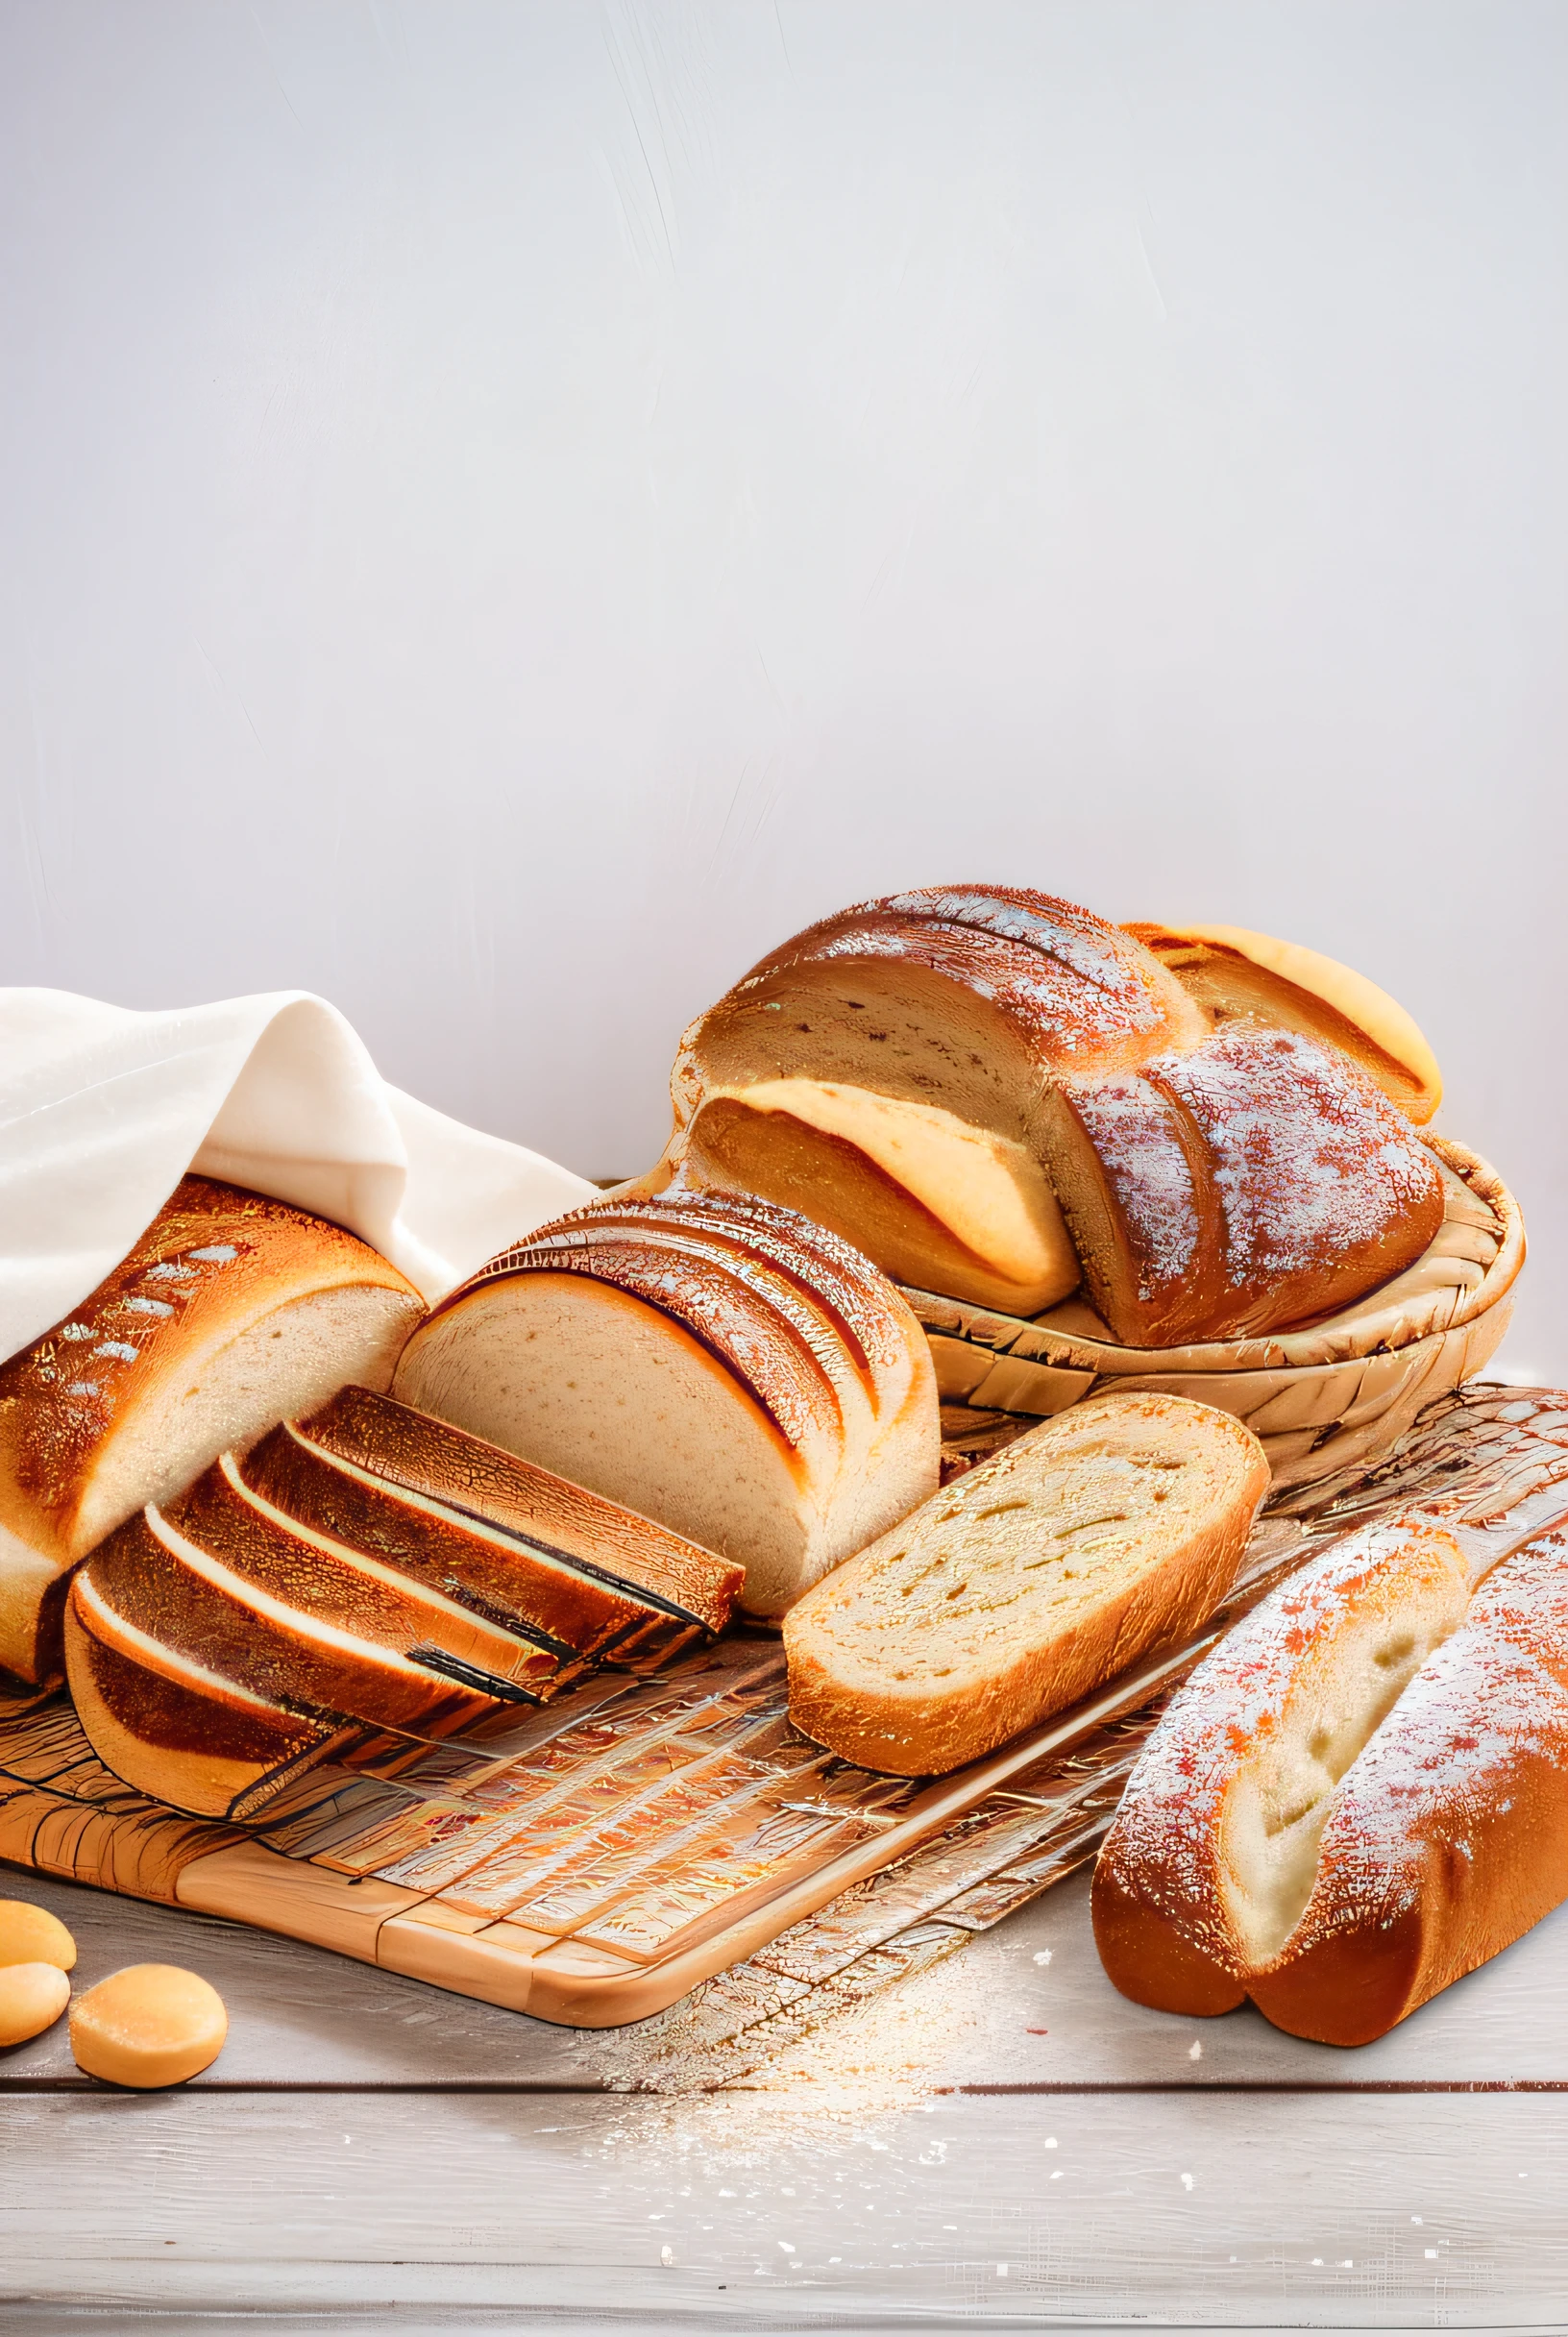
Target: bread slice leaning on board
(1017, 1590)
(1001, 1098)
(216, 1642)
(230, 1314)
(712, 1360)
(1358, 1798)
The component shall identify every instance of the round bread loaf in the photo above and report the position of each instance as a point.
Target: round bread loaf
(999, 1097)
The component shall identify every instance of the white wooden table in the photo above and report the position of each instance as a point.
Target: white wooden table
(998, 2143)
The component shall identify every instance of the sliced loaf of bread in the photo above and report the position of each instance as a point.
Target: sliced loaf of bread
(1013, 1592)
(715, 1361)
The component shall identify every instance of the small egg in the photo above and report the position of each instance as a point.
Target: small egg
(149, 2025)
(31, 1999)
(30, 1934)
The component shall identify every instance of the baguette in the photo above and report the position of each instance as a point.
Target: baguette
(1357, 1798)
(231, 1312)
(1043, 1572)
(713, 1362)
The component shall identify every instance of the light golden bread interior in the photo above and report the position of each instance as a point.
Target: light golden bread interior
(724, 1368)
(231, 1311)
(1014, 1590)
(1356, 1799)
(1233, 971)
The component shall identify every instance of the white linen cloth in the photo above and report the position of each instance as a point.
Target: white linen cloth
(103, 1109)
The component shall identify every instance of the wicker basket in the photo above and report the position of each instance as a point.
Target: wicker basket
(1333, 1396)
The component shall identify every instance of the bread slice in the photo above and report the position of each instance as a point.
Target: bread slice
(575, 1564)
(230, 1314)
(1231, 972)
(714, 1363)
(1358, 1798)
(1115, 1525)
(175, 1728)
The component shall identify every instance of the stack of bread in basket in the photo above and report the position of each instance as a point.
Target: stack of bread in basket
(255, 1498)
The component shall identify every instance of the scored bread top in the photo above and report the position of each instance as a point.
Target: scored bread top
(214, 1261)
(968, 993)
(392, 1440)
(1012, 1592)
(1254, 1181)
(804, 1323)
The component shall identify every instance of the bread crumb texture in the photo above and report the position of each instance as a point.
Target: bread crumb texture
(1015, 1589)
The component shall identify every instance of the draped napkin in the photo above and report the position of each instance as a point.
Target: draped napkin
(103, 1109)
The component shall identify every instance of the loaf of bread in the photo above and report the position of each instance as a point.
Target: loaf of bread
(999, 1097)
(1358, 1797)
(712, 1360)
(217, 1641)
(230, 1314)
(1022, 1586)
(1233, 972)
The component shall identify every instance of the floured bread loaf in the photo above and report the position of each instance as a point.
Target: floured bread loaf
(1358, 1798)
(714, 1361)
(1232, 972)
(231, 1312)
(216, 1642)
(1019, 1588)
(997, 1095)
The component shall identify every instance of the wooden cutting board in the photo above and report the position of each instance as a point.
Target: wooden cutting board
(605, 1855)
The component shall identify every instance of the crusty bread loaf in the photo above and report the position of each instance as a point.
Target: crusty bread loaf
(572, 1564)
(1232, 971)
(1017, 1590)
(231, 1312)
(996, 1095)
(293, 1592)
(714, 1361)
(1358, 1798)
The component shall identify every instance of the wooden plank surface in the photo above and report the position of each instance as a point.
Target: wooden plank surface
(1026, 2004)
(372, 2148)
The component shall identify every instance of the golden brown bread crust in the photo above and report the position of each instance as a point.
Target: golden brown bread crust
(318, 1658)
(1214, 1181)
(1444, 1840)
(527, 1589)
(198, 1743)
(216, 1266)
(392, 1440)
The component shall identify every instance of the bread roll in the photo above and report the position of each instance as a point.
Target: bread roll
(1357, 1798)
(1019, 1588)
(231, 1312)
(996, 1095)
(716, 1363)
(1232, 971)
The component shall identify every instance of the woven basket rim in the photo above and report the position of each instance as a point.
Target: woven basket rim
(1328, 1342)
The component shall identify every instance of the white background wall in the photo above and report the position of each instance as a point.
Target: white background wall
(512, 506)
